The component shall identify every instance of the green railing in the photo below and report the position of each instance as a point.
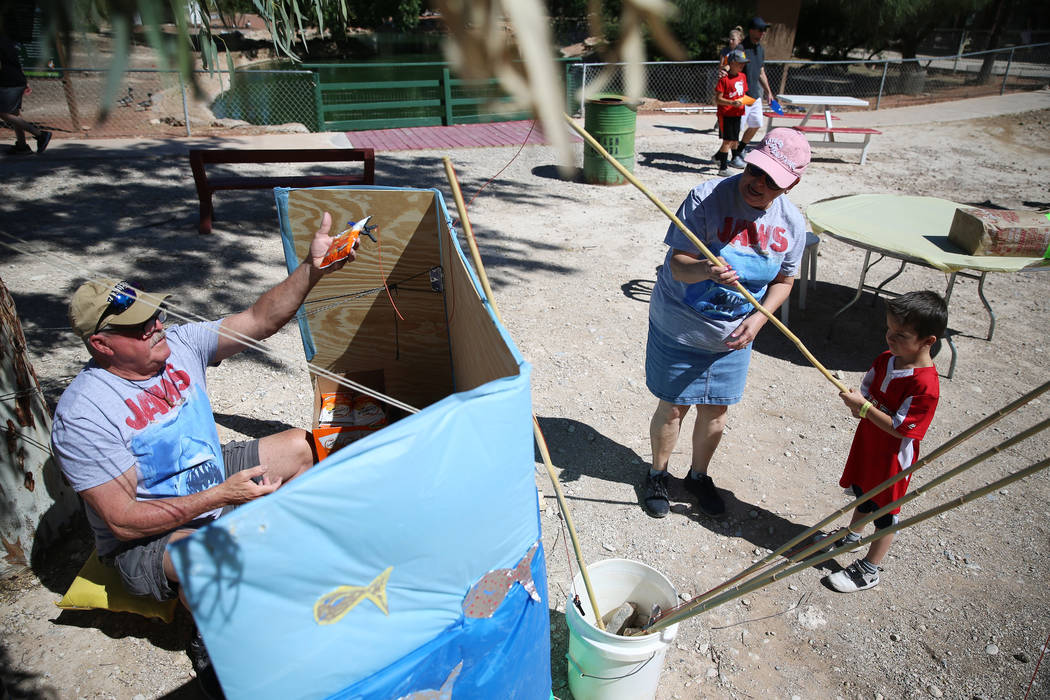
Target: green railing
(390, 95)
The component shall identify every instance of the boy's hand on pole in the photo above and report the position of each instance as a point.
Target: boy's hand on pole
(854, 401)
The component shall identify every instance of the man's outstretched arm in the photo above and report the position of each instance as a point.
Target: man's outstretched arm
(277, 305)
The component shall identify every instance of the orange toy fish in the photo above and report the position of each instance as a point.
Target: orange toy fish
(347, 241)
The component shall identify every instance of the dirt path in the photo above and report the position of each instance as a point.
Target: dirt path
(962, 609)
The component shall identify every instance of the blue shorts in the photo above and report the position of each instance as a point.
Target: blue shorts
(141, 562)
(687, 376)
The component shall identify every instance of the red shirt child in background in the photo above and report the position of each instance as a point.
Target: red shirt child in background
(729, 96)
(895, 404)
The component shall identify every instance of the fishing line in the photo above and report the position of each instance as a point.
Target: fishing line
(470, 232)
(342, 299)
(541, 441)
(156, 302)
(706, 601)
(382, 277)
(803, 554)
(32, 441)
(20, 394)
(706, 252)
(1041, 655)
(489, 181)
(794, 551)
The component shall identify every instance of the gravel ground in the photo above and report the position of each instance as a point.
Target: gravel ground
(962, 608)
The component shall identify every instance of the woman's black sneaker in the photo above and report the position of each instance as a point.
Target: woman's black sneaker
(707, 498)
(655, 498)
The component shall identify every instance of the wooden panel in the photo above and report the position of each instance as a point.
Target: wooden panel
(479, 353)
(334, 107)
(384, 123)
(353, 324)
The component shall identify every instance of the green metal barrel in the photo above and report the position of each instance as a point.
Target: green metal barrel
(611, 121)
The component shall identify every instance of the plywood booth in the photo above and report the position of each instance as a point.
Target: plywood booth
(410, 559)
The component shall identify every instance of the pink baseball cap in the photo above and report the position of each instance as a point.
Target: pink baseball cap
(783, 154)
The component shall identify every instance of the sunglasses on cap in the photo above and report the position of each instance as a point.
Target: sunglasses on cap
(120, 299)
(139, 331)
(755, 171)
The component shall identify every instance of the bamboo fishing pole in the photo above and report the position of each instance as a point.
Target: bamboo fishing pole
(807, 534)
(705, 250)
(541, 442)
(759, 582)
(804, 553)
(188, 316)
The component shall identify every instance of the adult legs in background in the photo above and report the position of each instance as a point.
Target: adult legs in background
(664, 429)
(707, 433)
(20, 127)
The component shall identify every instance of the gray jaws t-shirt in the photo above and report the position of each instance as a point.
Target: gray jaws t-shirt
(758, 244)
(105, 425)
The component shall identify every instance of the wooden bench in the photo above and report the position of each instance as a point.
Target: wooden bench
(828, 137)
(797, 116)
(206, 186)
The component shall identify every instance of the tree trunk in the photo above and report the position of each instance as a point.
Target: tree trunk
(35, 501)
(67, 85)
(999, 17)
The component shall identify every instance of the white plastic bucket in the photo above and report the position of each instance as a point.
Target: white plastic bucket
(605, 666)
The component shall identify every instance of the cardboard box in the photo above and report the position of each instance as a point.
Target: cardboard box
(342, 415)
(329, 439)
(1002, 232)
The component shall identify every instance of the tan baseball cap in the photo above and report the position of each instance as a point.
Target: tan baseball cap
(106, 302)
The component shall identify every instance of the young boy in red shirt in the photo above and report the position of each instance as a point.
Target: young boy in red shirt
(895, 404)
(729, 94)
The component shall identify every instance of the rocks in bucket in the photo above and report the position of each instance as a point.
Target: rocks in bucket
(628, 619)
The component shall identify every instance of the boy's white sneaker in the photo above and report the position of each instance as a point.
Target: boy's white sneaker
(852, 579)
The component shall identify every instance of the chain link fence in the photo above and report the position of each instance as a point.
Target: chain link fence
(882, 82)
(152, 103)
(73, 103)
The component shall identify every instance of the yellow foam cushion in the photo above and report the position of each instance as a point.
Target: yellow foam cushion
(98, 587)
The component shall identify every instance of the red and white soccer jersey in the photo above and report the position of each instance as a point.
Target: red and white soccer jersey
(910, 397)
(731, 88)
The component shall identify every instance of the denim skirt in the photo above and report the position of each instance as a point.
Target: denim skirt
(687, 376)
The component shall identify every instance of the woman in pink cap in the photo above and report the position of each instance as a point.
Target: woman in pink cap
(701, 327)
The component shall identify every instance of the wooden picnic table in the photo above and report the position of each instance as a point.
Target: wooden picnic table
(827, 131)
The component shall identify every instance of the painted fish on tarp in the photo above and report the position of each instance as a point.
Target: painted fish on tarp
(332, 606)
(408, 563)
(442, 693)
(487, 594)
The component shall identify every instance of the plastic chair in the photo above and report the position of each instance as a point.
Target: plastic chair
(807, 274)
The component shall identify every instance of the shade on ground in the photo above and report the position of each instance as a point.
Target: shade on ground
(459, 136)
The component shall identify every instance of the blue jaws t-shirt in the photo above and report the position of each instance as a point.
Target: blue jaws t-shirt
(105, 425)
(758, 244)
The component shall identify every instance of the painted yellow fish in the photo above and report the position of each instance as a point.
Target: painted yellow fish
(442, 693)
(331, 607)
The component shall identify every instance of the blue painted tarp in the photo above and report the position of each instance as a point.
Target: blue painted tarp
(350, 581)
